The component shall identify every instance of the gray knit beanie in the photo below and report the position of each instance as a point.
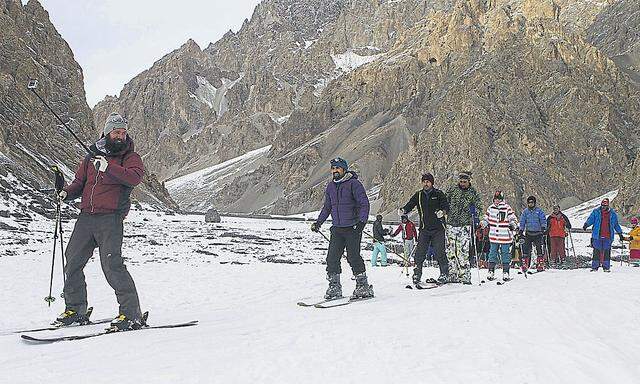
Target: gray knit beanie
(114, 121)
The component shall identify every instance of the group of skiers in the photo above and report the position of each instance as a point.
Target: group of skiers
(452, 229)
(106, 177)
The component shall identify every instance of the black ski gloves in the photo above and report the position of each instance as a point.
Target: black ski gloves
(315, 227)
(360, 226)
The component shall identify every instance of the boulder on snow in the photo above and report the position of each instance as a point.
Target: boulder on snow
(212, 216)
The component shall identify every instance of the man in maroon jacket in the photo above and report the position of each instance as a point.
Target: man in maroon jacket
(104, 180)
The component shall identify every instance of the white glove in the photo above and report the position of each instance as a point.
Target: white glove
(440, 214)
(483, 224)
(100, 162)
(401, 212)
(62, 194)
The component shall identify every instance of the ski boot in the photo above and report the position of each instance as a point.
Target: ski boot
(505, 276)
(70, 317)
(417, 276)
(442, 279)
(491, 275)
(539, 264)
(123, 323)
(594, 270)
(363, 289)
(335, 288)
(466, 278)
(606, 270)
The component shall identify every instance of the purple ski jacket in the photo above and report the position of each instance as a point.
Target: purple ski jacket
(346, 201)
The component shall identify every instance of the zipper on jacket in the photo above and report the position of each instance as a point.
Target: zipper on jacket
(422, 223)
(93, 189)
(338, 201)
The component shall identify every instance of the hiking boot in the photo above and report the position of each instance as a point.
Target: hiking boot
(363, 289)
(335, 288)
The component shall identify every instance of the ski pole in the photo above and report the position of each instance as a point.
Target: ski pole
(32, 85)
(64, 278)
(59, 185)
(49, 299)
(573, 248)
(475, 249)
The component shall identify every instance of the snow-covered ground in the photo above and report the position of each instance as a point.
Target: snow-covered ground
(559, 326)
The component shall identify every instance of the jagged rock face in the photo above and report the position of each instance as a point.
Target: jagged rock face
(501, 88)
(521, 92)
(279, 62)
(31, 139)
(617, 33)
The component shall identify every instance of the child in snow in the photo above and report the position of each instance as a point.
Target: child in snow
(501, 220)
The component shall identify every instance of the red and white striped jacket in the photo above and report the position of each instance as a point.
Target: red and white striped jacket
(500, 218)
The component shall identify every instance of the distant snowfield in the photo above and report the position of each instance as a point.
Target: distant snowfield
(554, 327)
(188, 190)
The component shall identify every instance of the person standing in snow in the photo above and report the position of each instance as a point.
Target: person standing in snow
(104, 181)
(378, 244)
(345, 199)
(409, 236)
(464, 201)
(559, 225)
(501, 221)
(432, 206)
(634, 243)
(605, 222)
(533, 225)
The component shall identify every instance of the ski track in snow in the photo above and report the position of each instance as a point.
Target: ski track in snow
(554, 327)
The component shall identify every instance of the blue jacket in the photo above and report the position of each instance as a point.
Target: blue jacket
(533, 220)
(346, 201)
(595, 219)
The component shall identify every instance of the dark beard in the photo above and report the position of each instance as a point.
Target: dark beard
(336, 176)
(114, 146)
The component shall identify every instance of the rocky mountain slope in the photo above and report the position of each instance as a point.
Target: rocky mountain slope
(521, 92)
(31, 140)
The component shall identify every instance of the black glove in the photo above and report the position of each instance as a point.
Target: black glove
(621, 237)
(584, 227)
(360, 226)
(315, 227)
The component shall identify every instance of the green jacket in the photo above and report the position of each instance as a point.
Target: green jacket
(459, 202)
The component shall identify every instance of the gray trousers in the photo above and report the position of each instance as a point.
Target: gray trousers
(105, 232)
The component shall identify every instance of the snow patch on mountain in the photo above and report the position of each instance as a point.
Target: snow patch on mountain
(214, 97)
(349, 60)
(188, 190)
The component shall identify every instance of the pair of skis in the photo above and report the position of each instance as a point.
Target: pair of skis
(332, 303)
(110, 330)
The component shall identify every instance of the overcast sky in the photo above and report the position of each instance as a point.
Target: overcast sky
(114, 40)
